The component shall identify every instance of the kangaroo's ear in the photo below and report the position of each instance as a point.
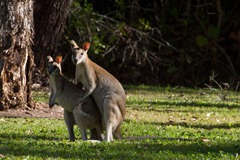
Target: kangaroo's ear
(58, 59)
(48, 64)
(86, 46)
(49, 59)
(74, 45)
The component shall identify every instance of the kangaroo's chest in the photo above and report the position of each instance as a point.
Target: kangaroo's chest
(79, 74)
(85, 76)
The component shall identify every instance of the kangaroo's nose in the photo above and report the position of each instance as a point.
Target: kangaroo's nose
(74, 59)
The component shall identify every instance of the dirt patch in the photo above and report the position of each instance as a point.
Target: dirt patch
(41, 111)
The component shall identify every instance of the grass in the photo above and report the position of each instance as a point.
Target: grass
(161, 123)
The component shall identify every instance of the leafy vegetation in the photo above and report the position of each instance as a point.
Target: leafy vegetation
(161, 123)
(172, 42)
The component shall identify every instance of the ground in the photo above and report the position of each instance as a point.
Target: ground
(41, 111)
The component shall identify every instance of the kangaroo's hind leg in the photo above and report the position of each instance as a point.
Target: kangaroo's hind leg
(112, 116)
(117, 133)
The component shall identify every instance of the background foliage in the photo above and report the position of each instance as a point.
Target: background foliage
(160, 42)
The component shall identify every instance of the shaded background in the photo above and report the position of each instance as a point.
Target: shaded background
(166, 42)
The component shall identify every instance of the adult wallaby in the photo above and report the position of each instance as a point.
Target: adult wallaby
(106, 90)
(84, 113)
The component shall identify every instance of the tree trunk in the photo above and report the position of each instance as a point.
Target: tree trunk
(16, 56)
(49, 21)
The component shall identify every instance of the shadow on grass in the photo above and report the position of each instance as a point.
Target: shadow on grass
(198, 104)
(47, 147)
(188, 104)
(17, 136)
(184, 124)
(208, 126)
(145, 88)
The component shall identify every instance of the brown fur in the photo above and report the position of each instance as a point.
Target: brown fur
(83, 113)
(106, 90)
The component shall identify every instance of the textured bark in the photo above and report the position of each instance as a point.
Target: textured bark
(16, 56)
(49, 20)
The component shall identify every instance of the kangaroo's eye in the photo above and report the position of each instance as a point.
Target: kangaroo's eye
(81, 53)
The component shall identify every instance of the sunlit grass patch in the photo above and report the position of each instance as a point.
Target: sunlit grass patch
(40, 96)
(161, 123)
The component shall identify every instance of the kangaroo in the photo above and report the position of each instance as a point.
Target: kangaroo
(105, 89)
(83, 113)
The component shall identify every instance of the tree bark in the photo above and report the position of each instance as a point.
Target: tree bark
(16, 56)
(49, 21)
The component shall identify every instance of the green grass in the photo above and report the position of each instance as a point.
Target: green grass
(161, 123)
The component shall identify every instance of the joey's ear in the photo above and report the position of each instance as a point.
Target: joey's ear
(74, 44)
(49, 59)
(86, 46)
(58, 59)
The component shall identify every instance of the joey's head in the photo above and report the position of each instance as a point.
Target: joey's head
(54, 67)
(80, 54)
